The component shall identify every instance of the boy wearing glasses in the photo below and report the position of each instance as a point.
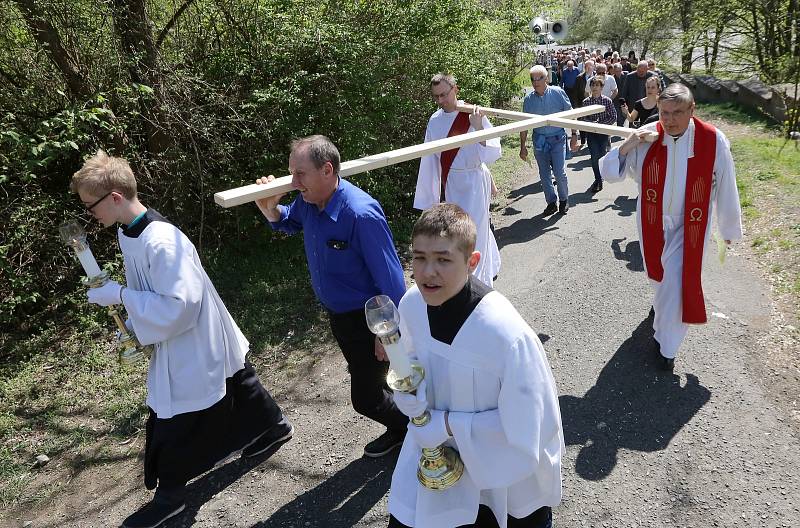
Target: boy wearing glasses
(206, 402)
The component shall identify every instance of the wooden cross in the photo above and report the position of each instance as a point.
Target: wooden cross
(522, 122)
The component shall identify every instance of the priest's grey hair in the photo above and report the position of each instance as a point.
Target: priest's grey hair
(678, 93)
(320, 150)
(443, 78)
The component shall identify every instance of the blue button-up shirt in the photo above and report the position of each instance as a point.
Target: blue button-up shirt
(554, 100)
(349, 248)
(568, 77)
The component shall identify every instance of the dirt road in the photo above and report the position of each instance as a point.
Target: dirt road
(709, 445)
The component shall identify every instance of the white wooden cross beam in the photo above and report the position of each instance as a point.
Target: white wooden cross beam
(523, 121)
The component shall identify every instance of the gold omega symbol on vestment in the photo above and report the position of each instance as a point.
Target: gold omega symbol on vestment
(696, 214)
(651, 195)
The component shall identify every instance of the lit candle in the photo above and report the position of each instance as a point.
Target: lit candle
(398, 359)
(88, 262)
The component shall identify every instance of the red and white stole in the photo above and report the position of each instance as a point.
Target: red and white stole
(460, 126)
(699, 172)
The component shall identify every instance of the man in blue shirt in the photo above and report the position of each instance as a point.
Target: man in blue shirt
(351, 257)
(549, 143)
(568, 78)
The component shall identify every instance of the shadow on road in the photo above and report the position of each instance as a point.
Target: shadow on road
(581, 164)
(526, 229)
(531, 188)
(632, 406)
(632, 254)
(623, 205)
(340, 500)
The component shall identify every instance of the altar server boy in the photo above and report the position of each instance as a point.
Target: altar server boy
(488, 386)
(206, 402)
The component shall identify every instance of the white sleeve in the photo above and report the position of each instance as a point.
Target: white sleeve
(729, 212)
(174, 305)
(492, 151)
(505, 445)
(428, 189)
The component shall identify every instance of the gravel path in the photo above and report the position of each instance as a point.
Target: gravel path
(706, 446)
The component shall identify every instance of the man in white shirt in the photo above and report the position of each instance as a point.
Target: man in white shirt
(461, 175)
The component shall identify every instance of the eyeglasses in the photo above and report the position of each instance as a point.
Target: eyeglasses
(536, 79)
(436, 96)
(97, 202)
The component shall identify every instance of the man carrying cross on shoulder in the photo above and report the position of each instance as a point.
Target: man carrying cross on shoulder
(683, 174)
(461, 175)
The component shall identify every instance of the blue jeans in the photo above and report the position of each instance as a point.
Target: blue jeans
(551, 158)
(597, 149)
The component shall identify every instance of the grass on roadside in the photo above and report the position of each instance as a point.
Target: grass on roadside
(768, 178)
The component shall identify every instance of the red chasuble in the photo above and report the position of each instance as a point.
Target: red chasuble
(699, 172)
(460, 126)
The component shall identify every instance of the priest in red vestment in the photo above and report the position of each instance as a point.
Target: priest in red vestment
(684, 175)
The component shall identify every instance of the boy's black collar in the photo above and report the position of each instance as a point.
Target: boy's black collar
(446, 320)
(138, 228)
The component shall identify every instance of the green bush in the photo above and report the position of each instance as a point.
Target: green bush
(236, 82)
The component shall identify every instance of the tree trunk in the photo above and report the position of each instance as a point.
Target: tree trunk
(48, 37)
(718, 31)
(757, 38)
(139, 50)
(687, 43)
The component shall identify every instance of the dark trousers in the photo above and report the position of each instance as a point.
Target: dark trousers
(597, 149)
(181, 448)
(369, 393)
(621, 119)
(541, 518)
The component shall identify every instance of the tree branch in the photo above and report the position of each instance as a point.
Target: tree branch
(163, 34)
(48, 37)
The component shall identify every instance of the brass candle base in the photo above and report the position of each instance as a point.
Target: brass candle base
(439, 467)
(129, 349)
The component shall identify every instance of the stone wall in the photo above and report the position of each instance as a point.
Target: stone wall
(750, 93)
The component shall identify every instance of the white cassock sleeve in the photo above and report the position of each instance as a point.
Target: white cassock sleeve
(174, 305)
(729, 212)
(429, 177)
(502, 446)
(492, 151)
(614, 168)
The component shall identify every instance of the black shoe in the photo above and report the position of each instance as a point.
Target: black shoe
(550, 209)
(563, 207)
(667, 364)
(153, 514)
(274, 437)
(385, 443)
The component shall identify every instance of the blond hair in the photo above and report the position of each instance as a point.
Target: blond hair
(449, 221)
(102, 173)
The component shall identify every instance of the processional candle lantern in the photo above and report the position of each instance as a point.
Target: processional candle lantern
(439, 467)
(73, 235)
